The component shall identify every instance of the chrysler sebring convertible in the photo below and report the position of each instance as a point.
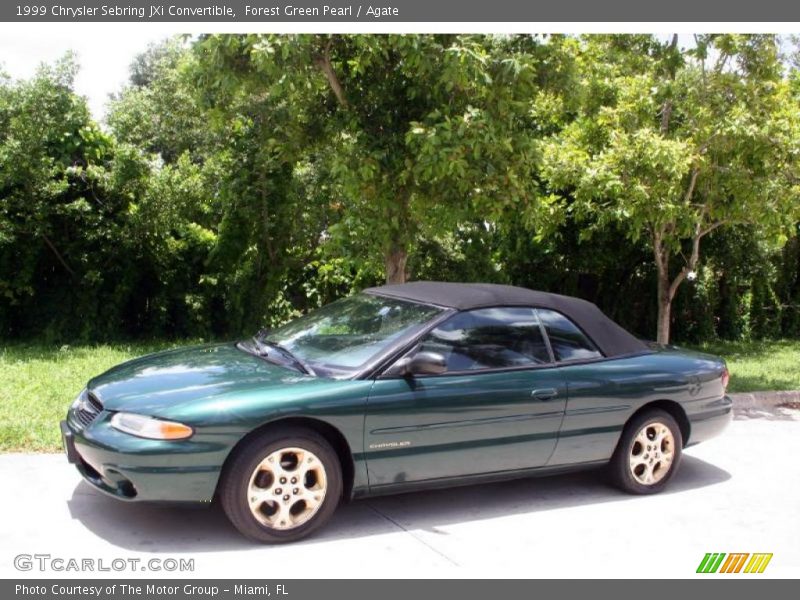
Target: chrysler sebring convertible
(398, 388)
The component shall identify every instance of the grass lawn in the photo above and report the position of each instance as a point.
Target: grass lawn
(760, 366)
(38, 382)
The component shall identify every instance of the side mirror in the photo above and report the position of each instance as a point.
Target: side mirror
(422, 363)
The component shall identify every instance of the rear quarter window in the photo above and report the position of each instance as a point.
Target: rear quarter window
(566, 338)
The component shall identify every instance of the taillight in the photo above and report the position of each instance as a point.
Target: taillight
(725, 378)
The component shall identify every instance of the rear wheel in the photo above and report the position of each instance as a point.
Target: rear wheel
(648, 453)
(282, 486)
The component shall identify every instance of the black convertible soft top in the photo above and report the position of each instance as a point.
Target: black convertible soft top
(611, 339)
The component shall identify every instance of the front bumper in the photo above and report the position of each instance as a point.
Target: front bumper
(136, 469)
(68, 443)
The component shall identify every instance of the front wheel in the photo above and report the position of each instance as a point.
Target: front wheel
(282, 486)
(648, 453)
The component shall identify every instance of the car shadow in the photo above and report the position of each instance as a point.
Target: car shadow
(161, 528)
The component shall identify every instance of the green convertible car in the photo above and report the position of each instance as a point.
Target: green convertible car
(398, 388)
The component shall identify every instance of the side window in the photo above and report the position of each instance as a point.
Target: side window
(489, 338)
(568, 342)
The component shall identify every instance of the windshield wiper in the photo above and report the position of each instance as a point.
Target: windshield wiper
(262, 344)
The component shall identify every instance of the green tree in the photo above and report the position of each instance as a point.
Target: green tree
(47, 143)
(93, 227)
(418, 132)
(158, 111)
(673, 143)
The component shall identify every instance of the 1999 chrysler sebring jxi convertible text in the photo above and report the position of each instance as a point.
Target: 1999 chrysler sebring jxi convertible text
(398, 388)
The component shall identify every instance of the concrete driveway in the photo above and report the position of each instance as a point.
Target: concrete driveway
(737, 493)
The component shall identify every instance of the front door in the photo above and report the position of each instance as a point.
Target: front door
(498, 407)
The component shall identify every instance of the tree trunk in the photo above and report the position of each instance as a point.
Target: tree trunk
(661, 255)
(664, 312)
(666, 288)
(664, 295)
(395, 259)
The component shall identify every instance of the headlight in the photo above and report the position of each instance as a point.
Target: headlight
(148, 427)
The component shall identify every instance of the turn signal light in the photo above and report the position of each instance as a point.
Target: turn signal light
(148, 427)
(725, 378)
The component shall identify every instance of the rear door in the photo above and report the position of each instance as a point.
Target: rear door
(498, 407)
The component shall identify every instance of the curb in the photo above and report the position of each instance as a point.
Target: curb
(755, 405)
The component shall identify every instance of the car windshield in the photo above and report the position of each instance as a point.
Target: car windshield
(343, 336)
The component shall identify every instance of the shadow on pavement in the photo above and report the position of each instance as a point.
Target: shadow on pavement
(163, 528)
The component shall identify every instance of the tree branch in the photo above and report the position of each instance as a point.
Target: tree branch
(694, 258)
(658, 249)
(692, 182)
(688, 268)
(58, 255)
(323, 63)
(722, 60)
(712, 227)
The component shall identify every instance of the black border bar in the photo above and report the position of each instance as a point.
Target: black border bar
(396, 589)
(406, 11)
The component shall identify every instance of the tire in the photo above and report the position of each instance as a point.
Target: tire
(293, 479)
(638, 470)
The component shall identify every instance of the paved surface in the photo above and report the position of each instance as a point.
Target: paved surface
(737, 493)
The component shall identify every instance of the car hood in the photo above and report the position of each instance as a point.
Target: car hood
(159, 381)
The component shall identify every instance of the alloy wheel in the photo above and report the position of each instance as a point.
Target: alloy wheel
(287, 488)
(652, 453)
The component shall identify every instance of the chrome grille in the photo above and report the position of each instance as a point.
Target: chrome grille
(88, 410)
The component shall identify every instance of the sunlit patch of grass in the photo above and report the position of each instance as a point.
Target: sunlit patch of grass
(761, 365)
(38, 382)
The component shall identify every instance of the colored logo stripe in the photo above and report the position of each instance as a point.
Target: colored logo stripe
(758, 563)
(710, 562)
(735, 561)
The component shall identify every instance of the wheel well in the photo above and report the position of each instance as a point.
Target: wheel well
(675, 410)
(332, 435)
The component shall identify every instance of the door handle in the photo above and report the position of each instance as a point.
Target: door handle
(544, 394)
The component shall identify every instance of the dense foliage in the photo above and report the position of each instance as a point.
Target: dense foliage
(241, 179)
